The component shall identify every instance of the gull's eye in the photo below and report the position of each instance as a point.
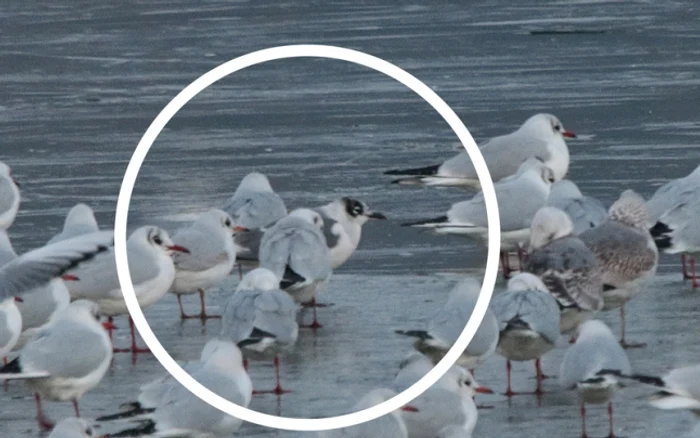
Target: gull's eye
(557, 128)
(316, 220)
(227, 222)
(157, 240)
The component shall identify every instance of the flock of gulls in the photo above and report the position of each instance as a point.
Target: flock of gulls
(566, 258)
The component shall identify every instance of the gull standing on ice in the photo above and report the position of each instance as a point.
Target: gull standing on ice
(592, 367)
(66, 359)
(568, 269)
(181, 413)
(79, 221)
(448, 404)
(342, 226)
(295, 250)
(9, 197)
(670, 197)
(73, 428)
(254, 206)
(519, 198)
(261, 319)
(38, 305)
(448, 324)
(626, 251)
(209, 260)
(585, 212)
(152, 273)
(678, 231)
(540, 137)
(528, 319)
(390, 425)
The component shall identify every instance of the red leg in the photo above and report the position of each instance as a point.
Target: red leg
(505, 264)
(203, 314)
(77, 409)
(315, 324)
(583, 421)
(610, 416)
(522, 255)
(509, 392)
(134, 348)
(109, 326)
(540, 377)
(623, 341)
(692, 272)
(240, 272)
(44, 422)
(278, 390)
(183, 315)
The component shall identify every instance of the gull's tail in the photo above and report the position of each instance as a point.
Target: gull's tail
(127, 410)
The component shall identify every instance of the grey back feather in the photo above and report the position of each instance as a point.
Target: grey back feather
(538, 309)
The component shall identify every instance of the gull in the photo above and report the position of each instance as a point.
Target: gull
(592, 367)
(181, 413)
(37, 306)
(448, 324)
(626, 251)
(38, 267)
(540, 137)
(79, 221)
(679, 389)
(9, 197)
(254, 206)
(152, 271)
(261, 319)
(449, 402)
(390, 425)
(528, 319)
(152, 393)
(670, 197)
(342, 226)
(519, 198)
(73, 428)
(295, 250)
(66, 359)
(566, 266)
(678, 231)
(209, 260)
(585, 212)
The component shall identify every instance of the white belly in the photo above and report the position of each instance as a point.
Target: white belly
(189, 282)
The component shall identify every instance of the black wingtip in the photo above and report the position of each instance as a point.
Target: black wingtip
(290, 278)
(420, 334)
(13, 367)
(146, 427)
(128, 410)
(419, 171)
(435, 220)
(659, 229)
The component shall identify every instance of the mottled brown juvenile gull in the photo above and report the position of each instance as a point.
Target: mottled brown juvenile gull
(626, 251)
(568, 269)
(541, 137)
(592, 367)
(528, 319)
(585, 212)
(519, 198)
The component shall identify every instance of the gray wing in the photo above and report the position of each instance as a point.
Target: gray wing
(584, 359)
(503, 156)
(670, 195)
(298, 245)
(237, 321)
(585, 213)
(275, 313)
(328, 224)
(449, 323)
(152, 393)
(437, 408)
(180, 409)
(518, 202)
(8, 194)
(570, 271)
(684, 380)
(205, 250)
(65, 349)
(40, 266)
(624, 253)
(539, 310)
(255, 209)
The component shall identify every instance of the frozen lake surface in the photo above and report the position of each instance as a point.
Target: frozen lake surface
(80, 83)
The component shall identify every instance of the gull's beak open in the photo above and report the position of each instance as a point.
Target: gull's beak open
(483, 390)
(69, 277)
(409, 408)
(376, 215)
(178, 248)
(568, 134)
(19, 300)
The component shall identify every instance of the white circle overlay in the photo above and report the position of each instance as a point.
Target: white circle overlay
(312, 51)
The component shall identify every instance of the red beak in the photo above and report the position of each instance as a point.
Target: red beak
(240, 229)
(178, 248)
(568, 134)
(18, 300)
(69, 277)
(484, 390)
(409, 408)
